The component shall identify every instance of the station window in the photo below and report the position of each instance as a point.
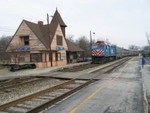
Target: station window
(36, 57)
(21, 59)
(25, 40)
(59, 40)
(58, 56)
(50, 57)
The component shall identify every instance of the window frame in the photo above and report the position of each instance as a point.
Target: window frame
(59, 40)
(38, 59)
(50, 57)
(26, 40)
(58, 56)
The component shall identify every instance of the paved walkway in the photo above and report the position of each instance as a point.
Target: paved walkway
(146, 85)
(117, 92)
(37, 71)
(146, 78)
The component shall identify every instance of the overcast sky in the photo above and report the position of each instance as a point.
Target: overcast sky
(122, 22)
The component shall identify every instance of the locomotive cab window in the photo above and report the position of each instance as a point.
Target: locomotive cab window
(97, 46)
(94, 46)
(101, 46)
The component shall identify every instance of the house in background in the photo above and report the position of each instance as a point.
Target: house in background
(43, 45)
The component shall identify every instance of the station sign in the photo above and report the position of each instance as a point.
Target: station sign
(60, 48)
(25, 48)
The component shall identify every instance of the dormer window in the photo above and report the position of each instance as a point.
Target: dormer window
(59, 40)
(26, 40)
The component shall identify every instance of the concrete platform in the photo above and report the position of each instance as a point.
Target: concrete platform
(52, 72)
(37, 72)
(118, 92)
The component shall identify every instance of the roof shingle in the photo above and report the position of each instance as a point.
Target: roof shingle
(45, 33)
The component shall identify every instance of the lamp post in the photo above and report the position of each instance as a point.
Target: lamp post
(91, 42)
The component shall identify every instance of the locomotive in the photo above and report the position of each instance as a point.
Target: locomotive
(103, 52)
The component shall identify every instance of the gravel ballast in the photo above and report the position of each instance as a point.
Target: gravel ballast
(26, 89)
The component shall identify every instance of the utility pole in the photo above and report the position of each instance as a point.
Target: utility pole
(91, 42)
(49, 41)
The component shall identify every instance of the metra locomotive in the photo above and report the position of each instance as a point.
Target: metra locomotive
(103, 52)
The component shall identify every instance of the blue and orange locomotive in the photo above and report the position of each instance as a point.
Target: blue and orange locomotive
(103, 52)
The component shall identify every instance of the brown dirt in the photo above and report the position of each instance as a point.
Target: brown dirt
(148, 62)
(4, 70)
(79, 68)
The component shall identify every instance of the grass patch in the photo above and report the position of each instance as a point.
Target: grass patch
(148, 61)
(4, 70)
(4, 62)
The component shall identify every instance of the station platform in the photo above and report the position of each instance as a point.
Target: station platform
(38, 71)
(117, 92)
(53, 72)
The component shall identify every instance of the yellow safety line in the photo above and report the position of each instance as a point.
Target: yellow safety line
(99, 89)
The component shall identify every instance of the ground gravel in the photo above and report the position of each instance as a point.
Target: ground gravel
(27, 89)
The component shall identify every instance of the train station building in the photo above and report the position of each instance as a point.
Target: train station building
(43, 44)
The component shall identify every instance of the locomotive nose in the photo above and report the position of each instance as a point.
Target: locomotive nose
(98, 52)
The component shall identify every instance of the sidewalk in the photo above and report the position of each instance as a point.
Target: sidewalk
(37, 71)
(146, 78)
(146, 86)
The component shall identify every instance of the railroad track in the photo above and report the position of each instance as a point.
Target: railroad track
(48, 97)
(18, 81)
(39, 101)
(111, 67)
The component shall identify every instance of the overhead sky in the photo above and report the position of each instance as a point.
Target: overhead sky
(121, 22)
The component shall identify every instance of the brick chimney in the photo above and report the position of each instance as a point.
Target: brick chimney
(40, 22)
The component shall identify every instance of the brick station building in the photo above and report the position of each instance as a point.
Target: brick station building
(43, 45)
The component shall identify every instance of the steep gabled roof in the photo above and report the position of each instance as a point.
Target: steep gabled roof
(72, 47)
(57, 19)
(45, 33)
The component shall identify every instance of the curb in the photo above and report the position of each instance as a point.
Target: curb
(145, 102)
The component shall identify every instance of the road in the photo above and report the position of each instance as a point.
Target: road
(118, 92)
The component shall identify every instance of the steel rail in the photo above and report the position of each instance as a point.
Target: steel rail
(27, 98)
(22, 83)
(13, 81)
(117, 65)
(118, 62)
(61, 97)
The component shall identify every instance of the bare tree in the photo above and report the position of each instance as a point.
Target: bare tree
(70, 38)
(148, 38)
(15, 52)
(148, 47)
(134, 47)
(4, 41)
(84, 43)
